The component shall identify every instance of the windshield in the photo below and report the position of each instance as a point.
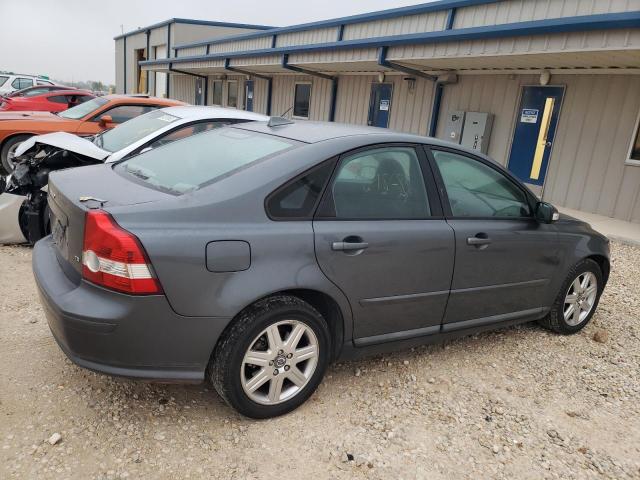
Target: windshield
(133, 130)
(84, 109)
(196, 161)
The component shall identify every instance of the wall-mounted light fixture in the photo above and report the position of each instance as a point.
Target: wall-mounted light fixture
(381, 77)
(545, 77)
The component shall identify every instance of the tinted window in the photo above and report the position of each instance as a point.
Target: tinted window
(477, 190)
(232, 94)
(217, 92)
(187, 131)
(20, 83)
(382, 183)
(298, 199)
(126, 112)
(32, 92)
(188, 165)
(301, 100)
(84, 109)
(3, 79)
(130, 132)
(635, 146)
(58, 99)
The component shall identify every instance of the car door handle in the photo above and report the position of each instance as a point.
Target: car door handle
(479, 240)
(348, 246)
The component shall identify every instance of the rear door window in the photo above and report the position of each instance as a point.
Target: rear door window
(197, 161)
(3, 79)
(20, 83)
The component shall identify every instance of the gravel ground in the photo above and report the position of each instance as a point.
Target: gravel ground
(518, 403)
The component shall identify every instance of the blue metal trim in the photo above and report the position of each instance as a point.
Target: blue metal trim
(273, 41)
(364, 17)
(334, 99)
(435, 109)
(451, 18)
(340, 32)
(285, 64)
(241, 71)
(536, 27)
(189, 21)
(383, 62)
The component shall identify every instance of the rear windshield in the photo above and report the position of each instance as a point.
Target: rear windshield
(3, 79)
(194, 162)
(83, 109)
(133, 130)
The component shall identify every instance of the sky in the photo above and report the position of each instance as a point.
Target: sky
(72, 40)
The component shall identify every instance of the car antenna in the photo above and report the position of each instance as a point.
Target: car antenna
(286, 111)
(279, 121)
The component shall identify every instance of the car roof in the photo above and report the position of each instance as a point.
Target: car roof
(314, 132)
(193, 112)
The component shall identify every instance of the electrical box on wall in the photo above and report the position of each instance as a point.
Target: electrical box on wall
(476, 131)
(453, 128)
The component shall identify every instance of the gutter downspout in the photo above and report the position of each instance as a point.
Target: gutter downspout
(334, 82)
(437, 95)
(124, 56)
(257, 75)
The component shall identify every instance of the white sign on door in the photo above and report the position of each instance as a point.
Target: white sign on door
(384, 105)
(529, 115)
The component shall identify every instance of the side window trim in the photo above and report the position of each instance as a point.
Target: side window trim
(442, 191)
(332, 162)
(326, 211)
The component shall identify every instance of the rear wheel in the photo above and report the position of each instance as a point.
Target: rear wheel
(272, 358)
(7, 153)
(578, 299)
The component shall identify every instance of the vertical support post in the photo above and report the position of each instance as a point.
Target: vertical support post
(269, 95)
(124, 56)
(168, 83)
(435, 109)
(334, 98)
(148, 55)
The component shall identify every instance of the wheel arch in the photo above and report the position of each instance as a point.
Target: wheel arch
(604, 264)
(328, 307)
(14, 135)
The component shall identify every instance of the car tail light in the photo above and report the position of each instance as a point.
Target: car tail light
(114, 258)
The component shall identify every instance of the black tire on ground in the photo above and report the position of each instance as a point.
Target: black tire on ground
(5, 167)
(555, 320)
(224, 369)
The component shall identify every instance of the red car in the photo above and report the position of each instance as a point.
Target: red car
(55, 101)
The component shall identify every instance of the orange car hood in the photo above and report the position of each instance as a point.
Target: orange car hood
(47, 116)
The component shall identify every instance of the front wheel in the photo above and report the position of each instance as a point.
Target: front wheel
(7, 154)
(272, 358)
(578, 299)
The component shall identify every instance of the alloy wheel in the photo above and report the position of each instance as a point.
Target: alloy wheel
(279, 362)
(580, 298)
(11, 153)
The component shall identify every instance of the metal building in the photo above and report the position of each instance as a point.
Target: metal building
(550, 88)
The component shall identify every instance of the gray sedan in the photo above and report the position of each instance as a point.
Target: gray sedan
(270, 249)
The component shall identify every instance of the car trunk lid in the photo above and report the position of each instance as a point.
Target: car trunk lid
(73, 192)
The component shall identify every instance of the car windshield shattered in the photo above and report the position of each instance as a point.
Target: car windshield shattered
(84, 109)
(133, 130)
(197, 161)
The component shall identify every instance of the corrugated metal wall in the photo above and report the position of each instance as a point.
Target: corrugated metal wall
(250, 44)
(587, 169)
(306, 37)
(283, 95)
(509, 11)
(119, 65)
(424, 22)
(183, 88)
(191, 51)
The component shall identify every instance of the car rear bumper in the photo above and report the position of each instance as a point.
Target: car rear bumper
(124, 335)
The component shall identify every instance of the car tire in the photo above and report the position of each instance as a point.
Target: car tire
(256, 390)
(6, 167)
(561, 319)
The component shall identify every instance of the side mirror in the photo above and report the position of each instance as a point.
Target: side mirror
(105, 120)
(546, 213)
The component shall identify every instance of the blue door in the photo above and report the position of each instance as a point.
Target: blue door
(534, 133)
(380, 104)
(248, 95)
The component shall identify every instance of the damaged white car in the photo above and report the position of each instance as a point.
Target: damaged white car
(23, 205)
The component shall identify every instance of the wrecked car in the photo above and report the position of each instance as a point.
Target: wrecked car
(37, 156)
